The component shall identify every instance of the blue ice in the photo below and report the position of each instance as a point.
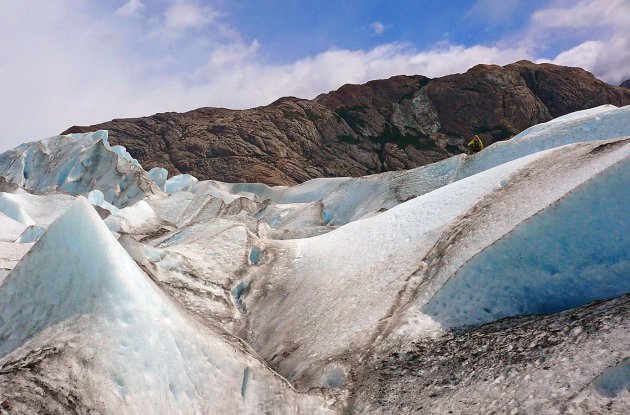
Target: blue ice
(570, 254)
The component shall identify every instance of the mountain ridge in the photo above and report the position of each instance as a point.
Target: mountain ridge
(390, 124)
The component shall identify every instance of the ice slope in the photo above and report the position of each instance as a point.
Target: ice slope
(365, 283)
(30, 209)
(31, 234)
(159, 176)
(10, 255)
(598, 123)
(102, 329)
(565, 363)
(201, 279)
(571, 121)
(76, 164)
(138, 218)
(572, 253)
(309, 191)
(12, 209)
(615, 380)
(10, 229)
(347, 199)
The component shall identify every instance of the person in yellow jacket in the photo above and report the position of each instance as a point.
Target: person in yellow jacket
(475, 145)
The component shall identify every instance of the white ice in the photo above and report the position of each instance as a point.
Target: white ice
(146, 355)
(536, 224)
(179, 182)
(76, 164)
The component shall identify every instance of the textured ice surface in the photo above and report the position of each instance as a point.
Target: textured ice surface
(10, 229)
(31, 234)
(146, 355)
(391, 264)
(159, 176)
(138, 218)
(179, 182)
(577, 122)
(76, 164)
(615, 380)
(96, 198)
(563, 363)
(572, 253)
(30, 209)
(10, 254)
(345, 286)
(309, 191)
(12, 209)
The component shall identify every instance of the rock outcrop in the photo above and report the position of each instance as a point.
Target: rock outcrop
(393, 124)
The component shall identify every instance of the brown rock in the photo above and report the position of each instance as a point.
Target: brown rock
(565, 89)
(397, 123)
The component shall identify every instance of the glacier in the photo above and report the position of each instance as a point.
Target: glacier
(76, 164)
(494, 282)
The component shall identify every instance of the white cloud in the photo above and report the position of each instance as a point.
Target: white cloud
(378, 27)
(584, 13)
(133, 8)
(188, 14)
(608, 59)
(604, 24)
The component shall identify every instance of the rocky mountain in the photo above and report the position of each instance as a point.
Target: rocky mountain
(393, 124)
(625, 84)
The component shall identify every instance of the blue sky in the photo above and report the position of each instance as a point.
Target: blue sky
(85, 61)
(291, 29)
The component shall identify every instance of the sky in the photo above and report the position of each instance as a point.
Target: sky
(80, 62)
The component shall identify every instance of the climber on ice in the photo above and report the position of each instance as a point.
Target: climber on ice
(475, 145)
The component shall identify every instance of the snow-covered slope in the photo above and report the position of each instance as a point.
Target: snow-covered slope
(172, 295)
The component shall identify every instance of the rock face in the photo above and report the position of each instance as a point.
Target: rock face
(625, 84)
(393, 124)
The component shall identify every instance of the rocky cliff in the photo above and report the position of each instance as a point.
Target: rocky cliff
(392, 124)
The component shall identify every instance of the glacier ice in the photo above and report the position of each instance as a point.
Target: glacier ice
(12, 209)
(145, 354)
(333, 309)
(615, 380)
(552, 364)
(534, 271)
(31, 234)
(11, 229)
(159, 176)
(179, 182)
(497, 282)
(75, 164)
